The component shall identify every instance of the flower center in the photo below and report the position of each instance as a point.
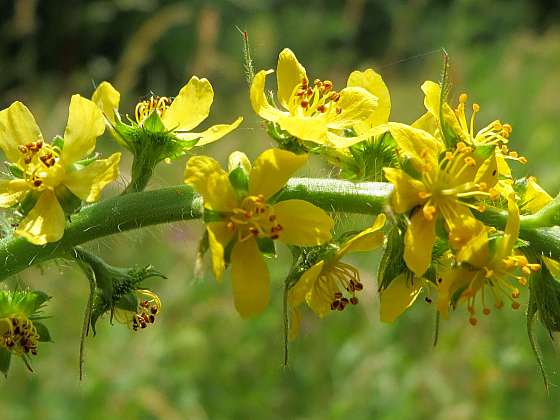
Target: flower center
(318, 98)
(499, 278)
(144, 108)
(451, 182)
(494, 133)
(255, 218)
(38, 162)
(344, 281)
(19, 335)
(148, 308)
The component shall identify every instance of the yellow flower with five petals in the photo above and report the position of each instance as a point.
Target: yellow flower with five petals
(312, 110)
(249, 217)
(479, 267)
(441, 187)
(45, 169)
(330, 284)
(179, 115)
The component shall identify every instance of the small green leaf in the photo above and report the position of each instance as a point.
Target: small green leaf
(5, 359)
(43, 331)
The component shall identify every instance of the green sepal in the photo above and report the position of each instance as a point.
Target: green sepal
(86, 162)
(267, 247)
(392, 262)
(28, 202)
(69, 202)
(481, 153)
(128, 302)
(545, 289)
(58, 142)
(5, 360)
(239, 181)
(14, 170)
(154, 123)
(284, 139)
(43, 331)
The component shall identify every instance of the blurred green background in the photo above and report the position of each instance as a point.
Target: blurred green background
(201, 360)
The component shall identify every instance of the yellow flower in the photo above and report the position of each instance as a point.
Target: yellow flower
(313, 111)
(494, 134)
(148, 307)
(330, 284)
(46, 168)
(248, 217)
(441, 188)
(179, 115)
(481, 267)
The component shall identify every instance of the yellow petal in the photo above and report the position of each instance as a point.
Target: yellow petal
(356, 105)
(535, 197)
(304, 286)
(259, 102)
(45, 222)
(107, 98)
(451, 280)
(432, 102)
(406, 189)
(339, 142)
(191, 106)
(218, 238)
(461, 224)
(289, 73)
(553, 266)
(428, 123)
(503, 167)
(366, 240)
(322, 291)
(374, 84)
(295, 322)
(488, 171)
(17, 126)
(303, 223)
(87, 183)
(398, 297)
(85, 124)
(12, 191)
(212, 134)
(211, 182)
(305, 128)
(417, 145)
(511, 231)
(476, 251)
(418, 242)
(250, 278)
(272, 169)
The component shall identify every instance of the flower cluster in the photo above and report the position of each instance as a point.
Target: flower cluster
(454, 222)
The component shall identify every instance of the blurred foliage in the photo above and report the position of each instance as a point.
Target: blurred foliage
(202, 360)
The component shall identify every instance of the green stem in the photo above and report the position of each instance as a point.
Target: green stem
(142, 171)
(172, 204)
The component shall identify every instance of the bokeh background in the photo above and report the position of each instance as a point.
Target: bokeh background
(201, 360)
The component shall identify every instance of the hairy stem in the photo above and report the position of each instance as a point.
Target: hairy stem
(172, 204)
